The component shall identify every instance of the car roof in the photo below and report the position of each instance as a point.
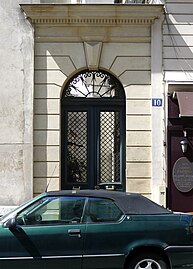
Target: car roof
(129, 203)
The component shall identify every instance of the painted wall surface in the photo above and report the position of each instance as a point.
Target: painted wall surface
(16, 104)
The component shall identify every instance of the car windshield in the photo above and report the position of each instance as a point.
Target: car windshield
(17, 209)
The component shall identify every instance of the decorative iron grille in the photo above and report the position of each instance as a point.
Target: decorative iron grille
(93, 84)
(77, 147)
(109, 146)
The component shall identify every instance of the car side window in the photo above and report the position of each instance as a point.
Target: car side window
(53, 210)
(102, 210)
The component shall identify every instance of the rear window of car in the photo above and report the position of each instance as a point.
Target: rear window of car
(102, 210)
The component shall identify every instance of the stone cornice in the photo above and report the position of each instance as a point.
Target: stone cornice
(92, 14)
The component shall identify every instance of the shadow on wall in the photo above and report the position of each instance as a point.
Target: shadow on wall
(178, 42)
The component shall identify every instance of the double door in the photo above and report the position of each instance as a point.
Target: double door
(93, 147)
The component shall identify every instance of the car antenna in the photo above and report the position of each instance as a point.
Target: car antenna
(50, 178)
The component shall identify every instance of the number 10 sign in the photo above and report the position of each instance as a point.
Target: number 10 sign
(157, 102)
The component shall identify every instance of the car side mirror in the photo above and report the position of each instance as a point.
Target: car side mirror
(11, 223)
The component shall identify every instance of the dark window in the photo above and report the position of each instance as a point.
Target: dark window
(102, 210)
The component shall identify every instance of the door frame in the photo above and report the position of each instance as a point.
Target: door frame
(178, 128)
(94, 107)
(116, 102)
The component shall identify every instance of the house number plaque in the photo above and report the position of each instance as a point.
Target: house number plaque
(183, 174)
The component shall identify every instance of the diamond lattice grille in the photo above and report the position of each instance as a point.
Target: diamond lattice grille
(109, 147)
(77, 147)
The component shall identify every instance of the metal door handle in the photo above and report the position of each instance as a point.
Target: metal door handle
(74, 232)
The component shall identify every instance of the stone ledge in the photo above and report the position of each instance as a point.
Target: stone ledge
(93, 14)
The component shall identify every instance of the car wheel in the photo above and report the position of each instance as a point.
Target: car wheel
(147, 261)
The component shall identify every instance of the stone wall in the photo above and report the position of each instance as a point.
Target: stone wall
(16, 104)
(60, 53)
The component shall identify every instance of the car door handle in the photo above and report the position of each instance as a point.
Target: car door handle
(75, 232)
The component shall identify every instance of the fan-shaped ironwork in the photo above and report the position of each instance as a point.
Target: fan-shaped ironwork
(93, 84)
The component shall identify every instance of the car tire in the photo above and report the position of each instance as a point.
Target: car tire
(147, 261)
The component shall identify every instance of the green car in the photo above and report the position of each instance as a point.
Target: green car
(95, 229)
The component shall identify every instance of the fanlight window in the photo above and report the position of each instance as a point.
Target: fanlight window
(94, 84)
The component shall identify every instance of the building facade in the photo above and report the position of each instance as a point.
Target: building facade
(93, 96)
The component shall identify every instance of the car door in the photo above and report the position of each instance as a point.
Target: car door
(51, 233)
(15, 252)
(105, 242)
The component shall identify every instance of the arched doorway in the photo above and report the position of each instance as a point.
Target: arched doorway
(93, 132)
